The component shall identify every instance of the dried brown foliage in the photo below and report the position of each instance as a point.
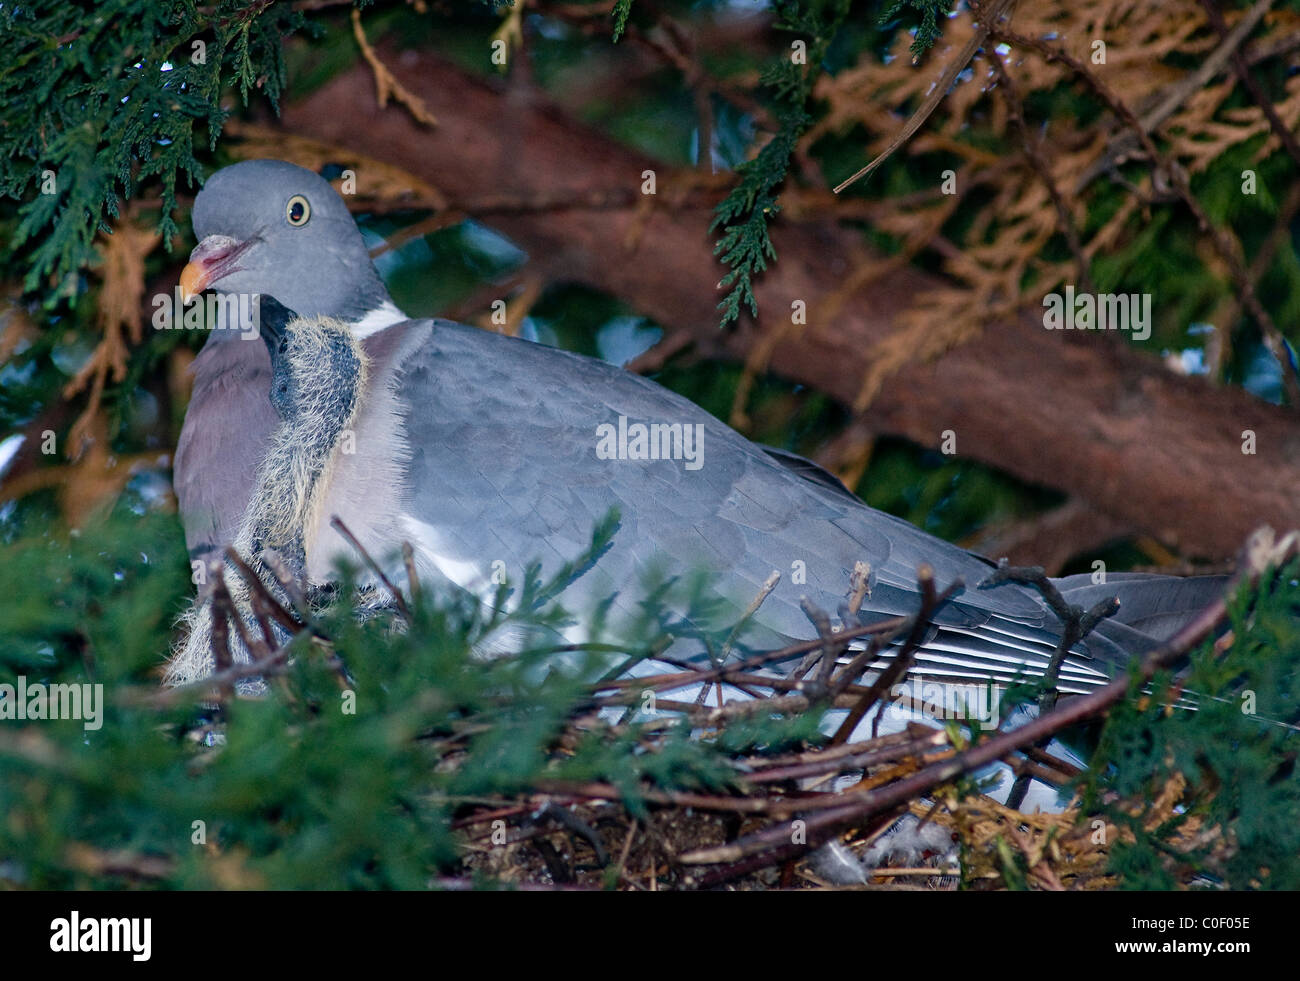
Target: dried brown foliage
(1056, 169)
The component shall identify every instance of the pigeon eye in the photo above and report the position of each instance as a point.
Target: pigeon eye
(297, 211)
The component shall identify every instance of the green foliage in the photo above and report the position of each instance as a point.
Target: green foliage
(1236, 753)
(928, 15)
(106, 599)
(294, 790)
(744, 244)
(97, 101)
(622, 9)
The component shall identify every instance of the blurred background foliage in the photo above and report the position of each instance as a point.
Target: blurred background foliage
(108, 97)
(66, 341)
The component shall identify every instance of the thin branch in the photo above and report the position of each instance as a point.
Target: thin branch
(1262, 552)
(337, 524)
(1034, 154)
(954, 68)
(386, 84)
(1224, 243)
(902, 663)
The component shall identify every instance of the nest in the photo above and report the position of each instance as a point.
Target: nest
(894, 811)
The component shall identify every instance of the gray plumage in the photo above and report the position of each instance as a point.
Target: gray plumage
(321, 268)
(480, 448)
(318, 380)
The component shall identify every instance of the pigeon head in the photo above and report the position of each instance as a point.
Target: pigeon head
(270, 227)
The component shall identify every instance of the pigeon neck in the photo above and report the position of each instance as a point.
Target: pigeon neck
(362, 300)
(377, 319)
(290, 484)
(365, 315)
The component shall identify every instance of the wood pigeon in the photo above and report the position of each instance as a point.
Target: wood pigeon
(488, 453)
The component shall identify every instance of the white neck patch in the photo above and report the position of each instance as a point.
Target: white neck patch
(384, 315)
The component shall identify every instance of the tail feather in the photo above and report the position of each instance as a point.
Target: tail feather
(1151, 604)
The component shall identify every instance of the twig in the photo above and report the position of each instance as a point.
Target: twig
(386, 84)
(223, 608)
(902, 662)
(337, 524)
(860, 760)
(1076, 623)
(566, 818)
(939, 92)
(1264, 550)
(753, 661)
(412, 577)
(221, 679)
(832, 647)
(654, 359)
(859, 588)
(764, 592)
(273, 605)
(301, 606)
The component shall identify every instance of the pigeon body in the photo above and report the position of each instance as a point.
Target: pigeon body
(488, 453)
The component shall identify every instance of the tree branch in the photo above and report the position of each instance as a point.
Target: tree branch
(1159, 452)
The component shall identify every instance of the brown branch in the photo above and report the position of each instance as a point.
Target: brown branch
(273, 606)
(412, 577)
(337, 524)
(902, 662)
(753, 661)
(386, 84)
(1076, 623)
(1135, 423)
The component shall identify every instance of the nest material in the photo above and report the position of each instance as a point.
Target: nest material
(890, 812)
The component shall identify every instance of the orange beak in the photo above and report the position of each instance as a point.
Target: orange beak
(215, 257)
(194, 280)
